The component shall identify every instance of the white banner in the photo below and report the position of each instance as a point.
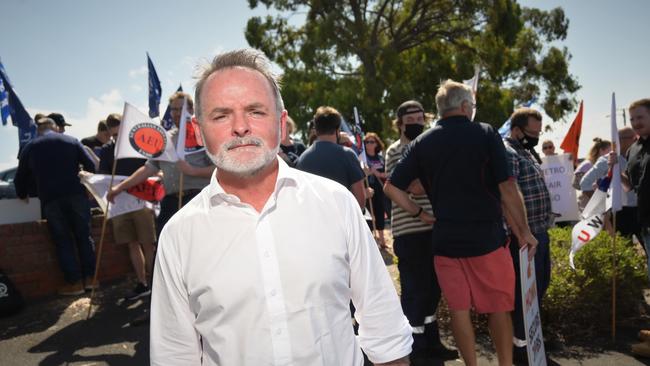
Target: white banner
(558, 174)
(97, 185)
(530, 306)
(142, 137)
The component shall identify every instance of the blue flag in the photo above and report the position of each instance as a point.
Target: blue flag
(505, 127)
(167, 122)
(155, 90)
(5, 110)
(19, 116)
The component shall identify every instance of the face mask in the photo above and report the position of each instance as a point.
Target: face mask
(529, 142)
(413, 130)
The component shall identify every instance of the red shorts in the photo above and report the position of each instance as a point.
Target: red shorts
(486, 282)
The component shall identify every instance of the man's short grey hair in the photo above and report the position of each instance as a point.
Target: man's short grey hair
(249, 58)
(451, 95)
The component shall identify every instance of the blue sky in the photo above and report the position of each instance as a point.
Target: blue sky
(85, 58)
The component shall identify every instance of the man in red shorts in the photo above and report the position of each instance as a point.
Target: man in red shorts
(462, 168)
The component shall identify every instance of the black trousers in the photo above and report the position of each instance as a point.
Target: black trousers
(420, 289)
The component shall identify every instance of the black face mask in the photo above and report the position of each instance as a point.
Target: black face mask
(529, 142)
(413, 130)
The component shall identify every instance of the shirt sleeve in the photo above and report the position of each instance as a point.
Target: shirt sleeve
(406, 170)
(23, 174)
(174, 341)
(512, 163)
(497, 156)
(384, 331)
(84, 159)
(356, 173)
(592, 175)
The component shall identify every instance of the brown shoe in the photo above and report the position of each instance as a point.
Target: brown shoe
(71, 289)
(644, 335)
(641, 349)
(88, 284)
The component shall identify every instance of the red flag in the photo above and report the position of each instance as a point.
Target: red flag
(571, 141)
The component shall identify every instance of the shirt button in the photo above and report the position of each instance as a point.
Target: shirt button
(278, 331)
(267, 254)
(273, 292)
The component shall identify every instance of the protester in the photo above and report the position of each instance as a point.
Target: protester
(60, 122)
(376, 178)
(412, 244)
(599, 148)
(137, 228)
(627, 222)
(290, 149)
(328, 159)
(636, 178)
(52, 160)
(99, 139)
(260, 267)
(461, 166)
(525, 128)
(548, 148)
(196, 170)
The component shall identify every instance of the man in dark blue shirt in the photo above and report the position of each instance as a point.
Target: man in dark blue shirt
(52, 160)
(462, 168)
(326, 158)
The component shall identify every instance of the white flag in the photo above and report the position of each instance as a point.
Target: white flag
(583, 232)
(141, 137)
(614, 197)
(473, 83)
(97, 185)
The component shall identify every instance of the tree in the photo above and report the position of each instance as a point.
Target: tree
(377, 54)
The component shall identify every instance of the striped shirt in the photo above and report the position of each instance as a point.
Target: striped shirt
(402, 222)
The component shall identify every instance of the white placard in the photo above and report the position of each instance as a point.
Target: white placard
(530, 306)
(16, 211)
(558, 174)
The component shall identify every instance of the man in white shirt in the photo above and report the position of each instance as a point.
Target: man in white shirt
(235, 283)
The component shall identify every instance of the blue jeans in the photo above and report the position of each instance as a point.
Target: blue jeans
(542, 277)
(68, 219)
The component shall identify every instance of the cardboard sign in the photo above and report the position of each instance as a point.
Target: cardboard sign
(558, 174)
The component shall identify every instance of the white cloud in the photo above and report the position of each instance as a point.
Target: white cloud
(138, 72)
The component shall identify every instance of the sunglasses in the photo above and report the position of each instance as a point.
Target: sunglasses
(370, 142)
(547, 147)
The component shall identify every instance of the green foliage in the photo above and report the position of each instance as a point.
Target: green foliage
(579, 302)
(377, 54)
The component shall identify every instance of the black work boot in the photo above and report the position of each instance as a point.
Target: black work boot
(436, 347)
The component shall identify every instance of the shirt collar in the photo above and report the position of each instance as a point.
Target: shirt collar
(287, 176)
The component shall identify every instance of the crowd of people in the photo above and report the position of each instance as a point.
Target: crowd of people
(271, 255)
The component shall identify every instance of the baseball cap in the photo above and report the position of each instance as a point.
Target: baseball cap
(58, 119)
(410, 106)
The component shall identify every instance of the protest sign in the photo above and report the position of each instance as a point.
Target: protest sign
(558, 174)
(97, 185)
(530, 305)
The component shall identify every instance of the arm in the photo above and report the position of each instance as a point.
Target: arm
(515, 212)
(85, 158)
(23, 176)
(384, 332)
(174, 340)
(596, 172)
(402, 199)
(136, 178)
(189, 169)
(359, 192)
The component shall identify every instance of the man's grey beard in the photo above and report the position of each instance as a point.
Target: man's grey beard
(224, 161)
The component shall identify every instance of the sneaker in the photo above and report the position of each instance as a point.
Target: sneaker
(88, 284)
(71, 289)
(139, 291)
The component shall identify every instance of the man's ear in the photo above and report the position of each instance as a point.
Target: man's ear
(197, 131)
(283, 123)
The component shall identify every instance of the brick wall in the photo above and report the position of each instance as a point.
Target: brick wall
(28, 257)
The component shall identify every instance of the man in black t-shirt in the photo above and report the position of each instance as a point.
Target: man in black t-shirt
(99, 139)
(462, 169)
(328, 159)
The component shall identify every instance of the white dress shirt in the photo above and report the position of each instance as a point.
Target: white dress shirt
(236, 287)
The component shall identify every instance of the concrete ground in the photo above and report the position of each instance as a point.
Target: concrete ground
(55, 332)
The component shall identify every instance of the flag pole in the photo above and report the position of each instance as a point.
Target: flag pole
(614, 278)
(98, 252)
